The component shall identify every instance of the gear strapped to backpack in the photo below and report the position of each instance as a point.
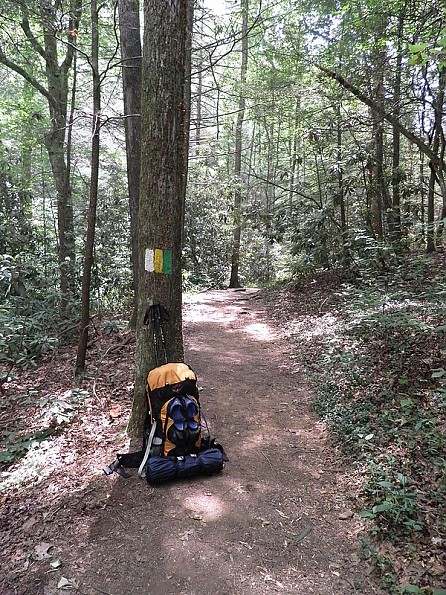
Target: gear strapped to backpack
(177, 442)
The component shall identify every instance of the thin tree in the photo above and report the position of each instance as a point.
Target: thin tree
(235, 259)
(160, 215)
(94, 181)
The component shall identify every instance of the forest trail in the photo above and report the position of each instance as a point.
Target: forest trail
(276, 520)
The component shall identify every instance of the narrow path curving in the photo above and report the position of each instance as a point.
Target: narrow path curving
(276, 520)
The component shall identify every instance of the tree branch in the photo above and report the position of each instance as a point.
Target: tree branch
(29, 34)
(31, 80)
(377, 108)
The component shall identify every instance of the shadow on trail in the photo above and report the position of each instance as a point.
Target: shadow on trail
(269, 522)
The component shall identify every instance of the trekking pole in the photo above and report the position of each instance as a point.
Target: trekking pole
(150, 320)
(162, 314)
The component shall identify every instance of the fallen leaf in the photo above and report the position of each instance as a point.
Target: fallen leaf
(115, 412)
(57, 563)
(302, 534)
(28, 524)
(346, 514)
(185, 536)
(64, 583)
(41, 550)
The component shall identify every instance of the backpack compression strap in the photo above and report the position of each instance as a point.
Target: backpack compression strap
(131, 459)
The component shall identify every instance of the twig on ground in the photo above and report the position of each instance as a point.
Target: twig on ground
(303, 534)
(264, 455)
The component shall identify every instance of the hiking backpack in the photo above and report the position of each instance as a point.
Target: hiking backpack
(176, 439)
(174, 408)
(177, 442)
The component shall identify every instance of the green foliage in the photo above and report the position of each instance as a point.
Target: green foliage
(208, 228)
(27, 306)
(396, 508)
(112, 289)
(380, 385)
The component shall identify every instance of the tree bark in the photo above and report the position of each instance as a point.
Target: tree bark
(131, 55)
(160, 214)
(394, 217)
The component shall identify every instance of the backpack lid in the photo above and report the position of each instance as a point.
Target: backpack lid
(169, 374)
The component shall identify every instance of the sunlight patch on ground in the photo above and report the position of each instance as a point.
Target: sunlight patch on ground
(33, 467)
(314, 326)
(204, 507)
(206, 313)
(258, 440)
(260, 332)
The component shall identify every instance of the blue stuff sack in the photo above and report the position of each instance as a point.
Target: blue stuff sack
(162, 469)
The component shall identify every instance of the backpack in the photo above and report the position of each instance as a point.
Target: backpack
(177, 441)
(173, 405)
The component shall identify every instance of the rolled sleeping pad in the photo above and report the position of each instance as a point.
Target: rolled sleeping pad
(163, 469)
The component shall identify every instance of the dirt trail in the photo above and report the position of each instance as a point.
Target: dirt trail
(271, 522)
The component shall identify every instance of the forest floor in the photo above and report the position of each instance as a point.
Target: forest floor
(280, 517)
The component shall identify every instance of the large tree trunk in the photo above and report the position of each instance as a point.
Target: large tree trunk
(162, 186)
(94, 181)
(237, 233)
(131, 54)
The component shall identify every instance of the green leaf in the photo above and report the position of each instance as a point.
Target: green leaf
(382, 507)
(385, 484)
(439, 592)
(438, 373)
(416, 48)
(406, 403)
(411, 589)
(366, 514)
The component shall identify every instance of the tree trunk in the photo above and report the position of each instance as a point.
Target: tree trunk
(340, 176)
(94, 180)
(394, 216)
(236, 239)
(162, 186)
(131, 54)
(187, 108)
(435, 175)
(57, 81)
(379, 193)
(295, 157)
(199, 85)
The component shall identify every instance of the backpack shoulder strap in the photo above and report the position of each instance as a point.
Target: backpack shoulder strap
(142, 470)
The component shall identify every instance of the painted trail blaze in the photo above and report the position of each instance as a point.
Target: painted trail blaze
(158, 261)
